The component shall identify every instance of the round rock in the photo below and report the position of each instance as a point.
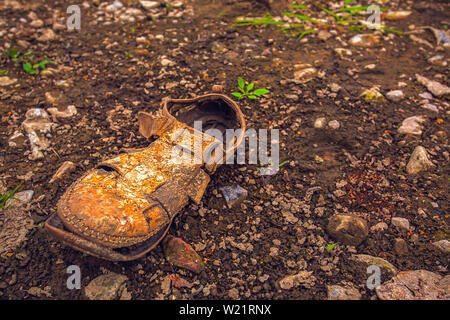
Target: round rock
(347, 229)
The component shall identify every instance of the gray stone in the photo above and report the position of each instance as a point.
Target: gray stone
(22, 197)
(412, 125)
(371, 260)
(419, 161)
(395, 95)
(106, 287)
(415, 285)
(431, 107)
(15, 224)
(234, 194)
(336, 292)
(443, 245)
(436, 88)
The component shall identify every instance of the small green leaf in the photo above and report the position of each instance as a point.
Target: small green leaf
(282, 164)
(252, 96)
(250, 86)
(260, 92)
(241, 83)
(12, 53)
(237, 95)
(330, 247)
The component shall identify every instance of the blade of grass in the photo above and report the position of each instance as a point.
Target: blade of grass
(304, 33)
(300, 16)
(392, 30)
(358, 8)
(292, 27)
(331, 13)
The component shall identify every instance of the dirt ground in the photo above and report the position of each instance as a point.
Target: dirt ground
(111, 71)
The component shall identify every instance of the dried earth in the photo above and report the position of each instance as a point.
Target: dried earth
(348, 150)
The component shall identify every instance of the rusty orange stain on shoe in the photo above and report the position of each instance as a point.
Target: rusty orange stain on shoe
(124, 207)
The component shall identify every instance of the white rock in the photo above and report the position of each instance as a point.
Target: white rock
(147, 5)
(70, 111)
(419, 161)
(412, 125)
(23, 198)
(430, 106)
(113, 7)
(343, 52)
(436, 88)
(395, 95)
(364, 40)
(307, 72)
(334, 124)
(167, 63)
(319, 123)
(443, 245)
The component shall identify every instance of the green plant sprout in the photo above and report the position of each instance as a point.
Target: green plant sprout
(247, 91)
(30, 67)
(6, 196)
(3, 72)
(28, 63)
(330, 247)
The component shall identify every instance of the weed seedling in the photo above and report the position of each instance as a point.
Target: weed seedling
(31, 67)
(330, 247)
(246, 91)
(12, 54)
(6, 196)
(28, 63)
(3, 72)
